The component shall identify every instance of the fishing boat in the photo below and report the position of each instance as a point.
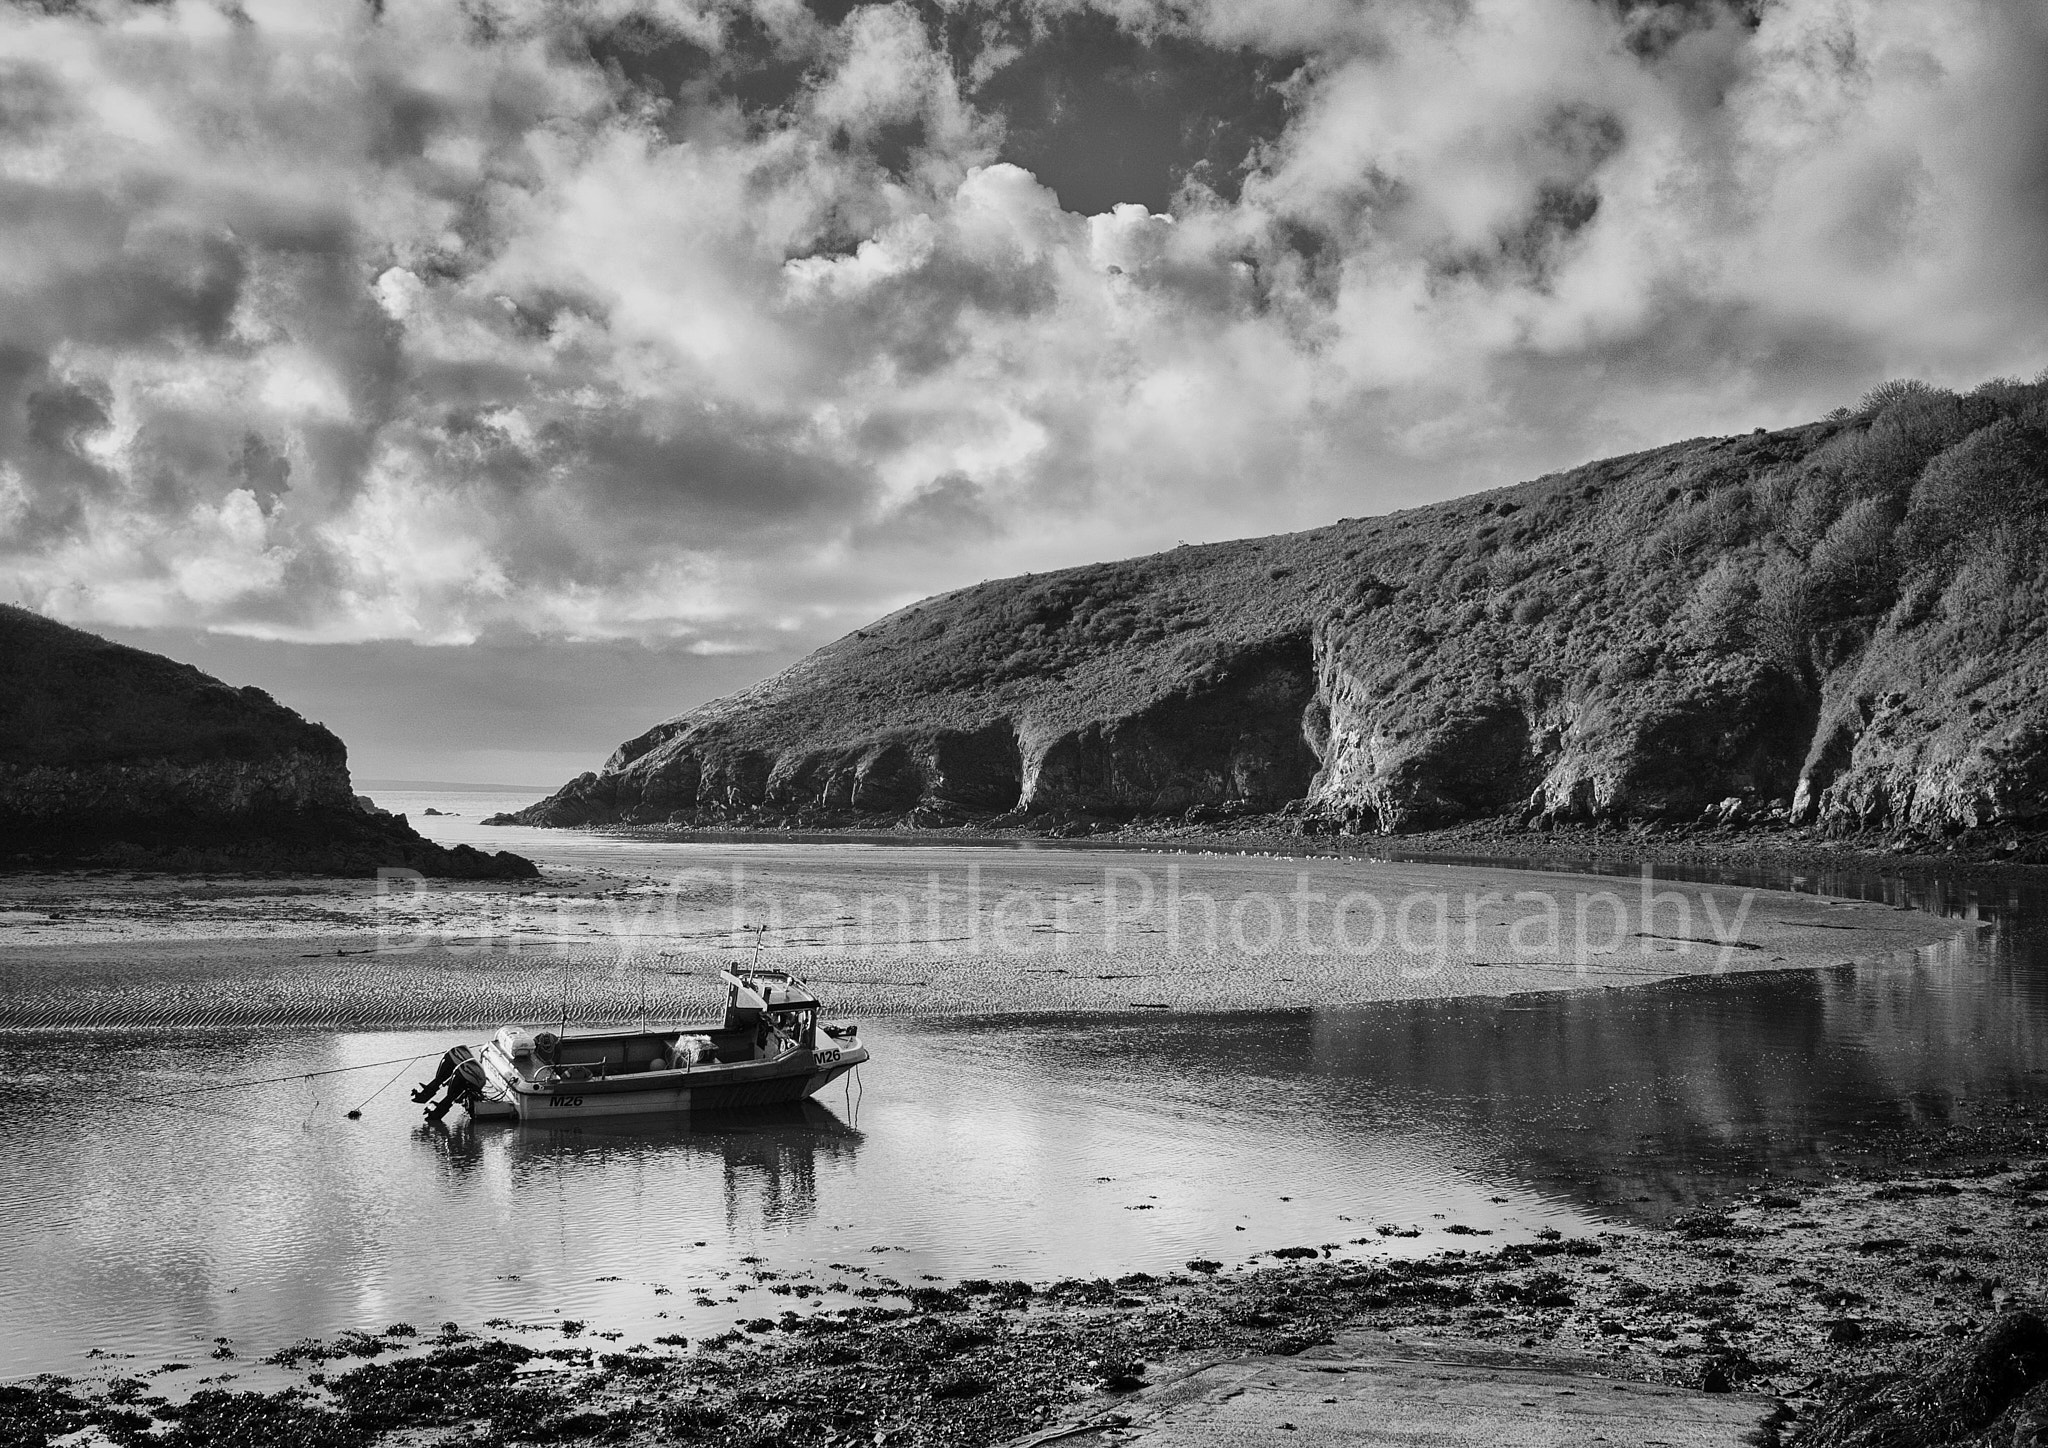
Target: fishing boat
(769, 1049)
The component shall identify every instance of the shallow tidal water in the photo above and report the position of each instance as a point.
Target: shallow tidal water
(148, 1225)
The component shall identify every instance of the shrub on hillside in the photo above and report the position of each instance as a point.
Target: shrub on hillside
(1899, 389)
(1723, 609)
(1811, 501)
(1884, 458)
(1782, 627)
(1999, 588)
(2009, 393)
(1852, 569)
(1996, 475)
(1628, 663)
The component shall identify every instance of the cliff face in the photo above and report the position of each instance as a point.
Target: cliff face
(113, 755)
(1840, 624)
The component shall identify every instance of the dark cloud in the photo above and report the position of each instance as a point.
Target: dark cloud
(59, 422)
(263, 470)
(32, 100)
(113, 270)
(1103, 115)
(1098, 110)
(945, 511)
(730, 477)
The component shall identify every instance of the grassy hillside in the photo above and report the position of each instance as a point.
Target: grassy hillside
(1841, 621)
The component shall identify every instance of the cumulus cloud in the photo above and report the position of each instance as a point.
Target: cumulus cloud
(714, 321)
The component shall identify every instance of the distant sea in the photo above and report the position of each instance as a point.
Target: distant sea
(462, 806)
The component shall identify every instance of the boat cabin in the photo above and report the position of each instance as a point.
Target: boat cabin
(774, 998)
(768, 1014)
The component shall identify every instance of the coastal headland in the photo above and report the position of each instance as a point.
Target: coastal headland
(1833, 629)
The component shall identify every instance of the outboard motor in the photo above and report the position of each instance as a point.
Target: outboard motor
(462, 1076)
(454, 1056)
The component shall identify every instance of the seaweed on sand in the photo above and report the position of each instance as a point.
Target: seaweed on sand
(1971, 1389)
(32, 1413)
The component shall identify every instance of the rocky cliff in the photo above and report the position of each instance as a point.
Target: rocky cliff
(1840, 624)
(113, 755)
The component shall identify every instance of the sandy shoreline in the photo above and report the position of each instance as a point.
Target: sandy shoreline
(1749, 848)
(612, 933)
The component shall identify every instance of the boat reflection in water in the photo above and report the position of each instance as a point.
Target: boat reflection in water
(767, 1159)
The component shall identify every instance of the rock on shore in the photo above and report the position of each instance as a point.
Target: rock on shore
(1838, 625)
(110, 755)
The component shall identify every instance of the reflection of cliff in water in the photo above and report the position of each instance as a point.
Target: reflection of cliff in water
(1962, 1020)
(1667, 1092)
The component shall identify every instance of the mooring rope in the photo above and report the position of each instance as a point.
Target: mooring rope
(357, 1113)
(299, 1076)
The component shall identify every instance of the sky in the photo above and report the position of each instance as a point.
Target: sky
(492, 378)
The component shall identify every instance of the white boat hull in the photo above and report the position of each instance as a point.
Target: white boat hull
(701, 1090)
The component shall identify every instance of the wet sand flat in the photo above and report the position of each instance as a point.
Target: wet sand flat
(618, 928)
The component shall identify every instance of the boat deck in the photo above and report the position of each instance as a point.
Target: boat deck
(638, 1052)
